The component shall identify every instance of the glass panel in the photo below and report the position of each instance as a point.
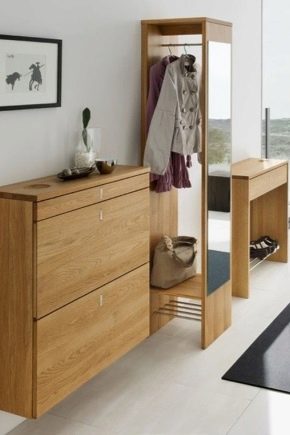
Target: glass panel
(276, 73)
(219, 164)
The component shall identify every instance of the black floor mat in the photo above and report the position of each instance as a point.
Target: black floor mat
(266, 363)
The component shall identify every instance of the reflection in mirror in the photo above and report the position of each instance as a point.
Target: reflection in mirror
(219, 164)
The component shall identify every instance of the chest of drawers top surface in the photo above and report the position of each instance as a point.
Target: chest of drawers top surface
(44, 188)
(253, 167)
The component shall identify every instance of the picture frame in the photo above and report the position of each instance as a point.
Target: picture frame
(30, 72)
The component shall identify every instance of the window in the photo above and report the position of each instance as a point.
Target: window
(276, 78)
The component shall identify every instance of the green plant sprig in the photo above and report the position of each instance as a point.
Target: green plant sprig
(86, 120)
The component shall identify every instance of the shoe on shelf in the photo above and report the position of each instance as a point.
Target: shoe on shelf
(269, 241)
(257, 250)
(263, 247)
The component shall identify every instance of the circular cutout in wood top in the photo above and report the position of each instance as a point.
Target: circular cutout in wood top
(38, 186)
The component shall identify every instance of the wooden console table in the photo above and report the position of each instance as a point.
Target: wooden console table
(260, 207)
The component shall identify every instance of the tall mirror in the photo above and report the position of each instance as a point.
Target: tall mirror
(219, 164)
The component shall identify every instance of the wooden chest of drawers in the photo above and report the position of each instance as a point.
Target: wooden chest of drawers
(74, 282)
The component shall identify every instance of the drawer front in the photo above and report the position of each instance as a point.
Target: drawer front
(73, 201)
(77, 341)
(268, 181)
(82, 250)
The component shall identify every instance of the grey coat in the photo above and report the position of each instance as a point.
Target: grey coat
(176, 119)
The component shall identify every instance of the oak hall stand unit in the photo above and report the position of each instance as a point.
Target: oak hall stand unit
(260, 207)
(74, 288)
(214, 310)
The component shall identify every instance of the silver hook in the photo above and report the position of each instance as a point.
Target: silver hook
(185, 51)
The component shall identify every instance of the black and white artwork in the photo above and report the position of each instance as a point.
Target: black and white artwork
(30, 72)
(25, 73)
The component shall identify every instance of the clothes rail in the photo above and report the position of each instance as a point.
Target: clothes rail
(186, 44)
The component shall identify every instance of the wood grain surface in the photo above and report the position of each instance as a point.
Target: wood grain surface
(77, 341)
(82, 250)
(73, 201)
(40, 189)
(16, 284)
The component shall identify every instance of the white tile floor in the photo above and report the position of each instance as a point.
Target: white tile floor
(167, 385)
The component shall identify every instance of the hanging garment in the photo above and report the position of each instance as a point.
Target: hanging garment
(176, 173)
(176, 119)
(156, 77)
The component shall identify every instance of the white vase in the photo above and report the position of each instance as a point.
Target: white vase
(84, 159)
(94, 139)
(85, 156)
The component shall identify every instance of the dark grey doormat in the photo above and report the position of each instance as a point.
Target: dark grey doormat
(266, 363)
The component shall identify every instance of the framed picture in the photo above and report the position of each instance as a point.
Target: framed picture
(30, 72)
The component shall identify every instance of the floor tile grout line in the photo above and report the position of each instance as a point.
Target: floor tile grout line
(243, 412)
(248, 399)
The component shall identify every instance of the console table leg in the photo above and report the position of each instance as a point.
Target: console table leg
(241, 238)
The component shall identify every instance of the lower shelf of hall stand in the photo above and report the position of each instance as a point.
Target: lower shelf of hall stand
(182, 301)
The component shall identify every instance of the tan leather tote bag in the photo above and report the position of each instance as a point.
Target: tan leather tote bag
(174, 261)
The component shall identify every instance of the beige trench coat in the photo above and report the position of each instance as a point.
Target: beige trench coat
(176, 119)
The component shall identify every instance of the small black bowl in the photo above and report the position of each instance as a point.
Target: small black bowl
(75, 173)
(105, 166)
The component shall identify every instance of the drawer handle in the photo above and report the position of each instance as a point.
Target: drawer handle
(101, 193)
(101, 300)
(101, 215)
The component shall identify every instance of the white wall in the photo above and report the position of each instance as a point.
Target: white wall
(101, 69)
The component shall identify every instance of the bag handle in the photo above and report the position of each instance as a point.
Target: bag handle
(171, 244)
